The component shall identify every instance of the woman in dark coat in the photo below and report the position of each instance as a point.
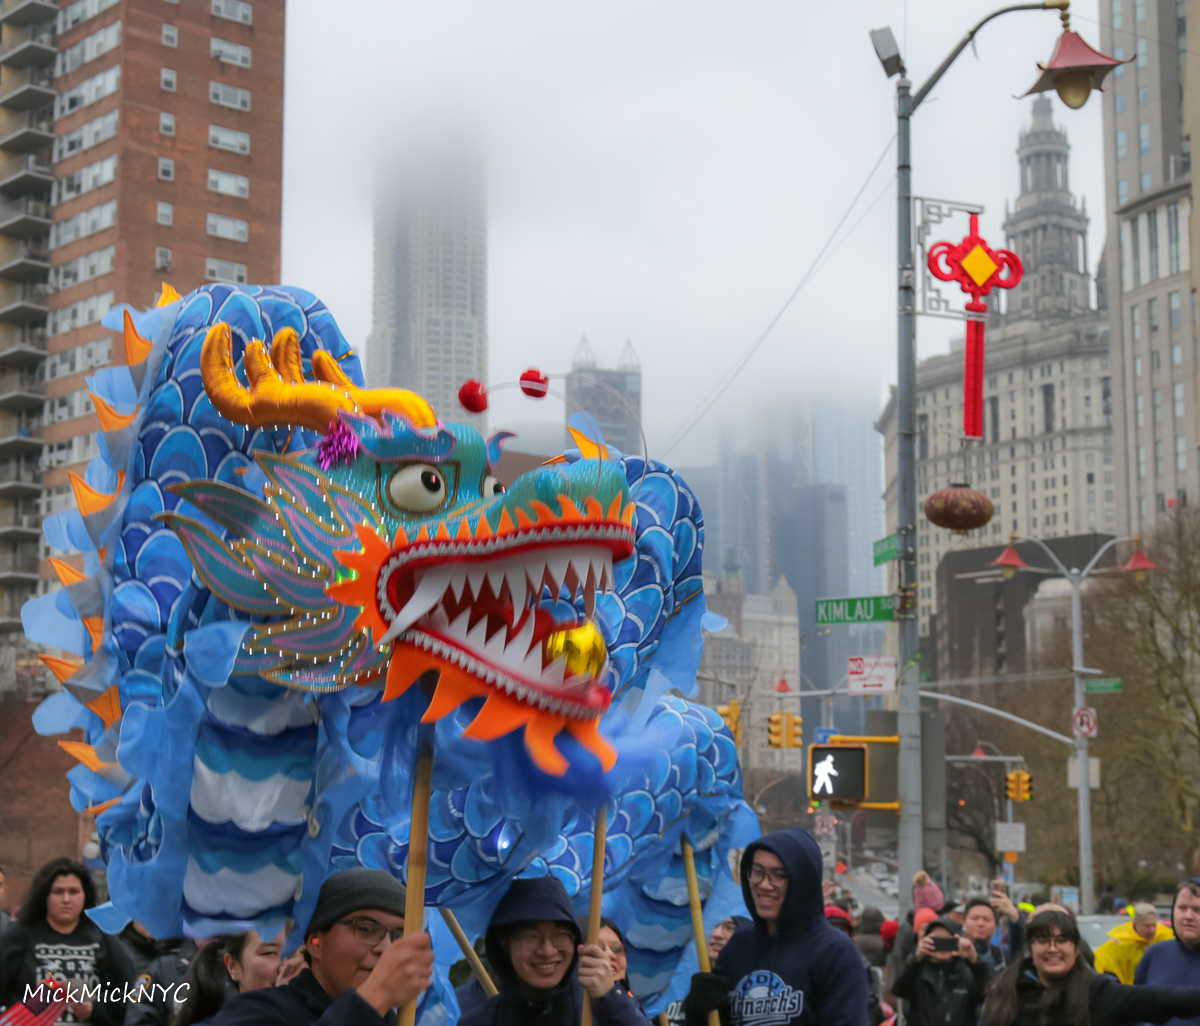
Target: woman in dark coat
(867, 937)
(1053, 984)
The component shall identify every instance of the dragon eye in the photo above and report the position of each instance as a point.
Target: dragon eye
(418, 488)
(491, 487)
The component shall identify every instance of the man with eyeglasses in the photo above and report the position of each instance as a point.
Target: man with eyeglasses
(542, 966)
(791, 967)
(361, 967)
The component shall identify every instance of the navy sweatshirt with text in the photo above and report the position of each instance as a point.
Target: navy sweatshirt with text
(809, 973)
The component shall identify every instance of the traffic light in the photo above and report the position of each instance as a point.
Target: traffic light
(1012, 787)
(732, 715)
(1024, 786)
(777, 730)
(795, 731)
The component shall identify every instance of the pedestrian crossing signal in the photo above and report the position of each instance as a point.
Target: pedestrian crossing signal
(732, 715)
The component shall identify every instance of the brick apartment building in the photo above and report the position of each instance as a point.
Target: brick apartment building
(140, 142)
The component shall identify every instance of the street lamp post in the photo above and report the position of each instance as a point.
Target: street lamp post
(1073, 71)
(1009, 562)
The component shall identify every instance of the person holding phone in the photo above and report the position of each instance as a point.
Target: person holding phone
(944, 982)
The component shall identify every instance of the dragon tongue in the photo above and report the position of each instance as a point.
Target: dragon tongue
(430, 590)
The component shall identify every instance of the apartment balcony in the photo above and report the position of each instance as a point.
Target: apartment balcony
(32, 130)
(24, 90)
(25, 218)
(28, 12)
(21, 442)
(18, 567)
(28, 173)
(24, 261)
(24, 305)
(21, 390)
(31, 47)
(23, 348)
(20, 527)
(19, 481)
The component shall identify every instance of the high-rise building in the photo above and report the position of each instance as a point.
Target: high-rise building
(429, 327)
(1147, 166)
(1046, 458)
(613, 397)
(139, 142)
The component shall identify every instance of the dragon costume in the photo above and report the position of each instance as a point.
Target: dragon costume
(274, 556)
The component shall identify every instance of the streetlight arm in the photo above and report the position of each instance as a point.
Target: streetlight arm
(1096, 558)
(1046, 549)
(942, 68)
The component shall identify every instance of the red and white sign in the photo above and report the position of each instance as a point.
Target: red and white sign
(871, 675)
(826, 825)
(1084, 722)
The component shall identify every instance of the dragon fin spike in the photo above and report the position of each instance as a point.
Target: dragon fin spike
(136, 347)
(167, 295)
(110, 419)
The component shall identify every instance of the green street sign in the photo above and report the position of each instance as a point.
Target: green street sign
(1103, 686)
(871, 609)
(887, 549)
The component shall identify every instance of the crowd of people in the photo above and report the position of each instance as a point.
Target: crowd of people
(802, 957)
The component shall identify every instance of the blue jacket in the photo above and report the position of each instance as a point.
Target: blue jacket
(303, 1002)
(809, 973)
(1171, 964)
(541, 899)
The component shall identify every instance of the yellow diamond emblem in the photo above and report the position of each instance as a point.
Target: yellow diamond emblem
(979, 265)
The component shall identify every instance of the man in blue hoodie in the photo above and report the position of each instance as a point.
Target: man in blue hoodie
(790, 968)
(1177, 963)
(534, 947)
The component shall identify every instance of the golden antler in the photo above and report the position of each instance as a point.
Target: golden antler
(279, 394)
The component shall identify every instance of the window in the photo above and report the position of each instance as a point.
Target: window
(1179, 399)
(166, 213)
(1145, 181)
(166, 169)
(234, 10)
(1139, 10)
(99, 217)
(1155, 362)
(1152, 242)
(228, 184)
(225, 270)
(95, 88)
(1119, 54)
(162, 258)
(1173, 238)
(1158, 458)
(1173, 309)
(73, 14)
(1180, 453)
(85, 179)
(1117, 14)
(1144, 140)
(1177, 355)
(166, 123)
(166, 79)
(79, 358)
(88, 49)
(1140, 406)
(170, 35)
(1120, 102)
(228, 227)
(78, 315)
(1156, 398)
(1135, 238)
(1122, 150)
(229, 96)
(83, 268)
(1136, 316)
(1152, 314)
(1143, 96)
(1141, 53)
(229, 53)
(228, 139)
(1122, 190)
(104, 127)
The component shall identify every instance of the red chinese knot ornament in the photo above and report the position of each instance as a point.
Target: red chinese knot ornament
(978, 269)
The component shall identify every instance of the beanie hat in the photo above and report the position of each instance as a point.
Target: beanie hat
(926, 894)
(888, 928)
(833, 912)
(355, 890)
(923, 916)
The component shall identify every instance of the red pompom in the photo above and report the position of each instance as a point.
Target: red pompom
(473, 396)
(534, 383)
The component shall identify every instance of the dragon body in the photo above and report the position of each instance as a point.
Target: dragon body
(274, 556)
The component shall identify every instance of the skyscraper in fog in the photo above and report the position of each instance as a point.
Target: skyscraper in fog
(429, 330)
(598, 391)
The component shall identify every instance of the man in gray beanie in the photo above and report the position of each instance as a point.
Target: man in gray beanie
(361, 967)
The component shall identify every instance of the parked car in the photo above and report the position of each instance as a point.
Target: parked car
(1094, 929)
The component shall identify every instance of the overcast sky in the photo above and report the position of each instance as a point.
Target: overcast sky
(666, 171)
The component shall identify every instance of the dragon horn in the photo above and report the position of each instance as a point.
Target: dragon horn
(278, 393)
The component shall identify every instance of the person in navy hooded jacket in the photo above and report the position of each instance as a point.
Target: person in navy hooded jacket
(790, 968)
(541, 965)
(1176, 963)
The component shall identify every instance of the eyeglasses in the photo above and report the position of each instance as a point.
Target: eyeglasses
(1057, 941)
(776, 876)
(530, 940)
(370, 932)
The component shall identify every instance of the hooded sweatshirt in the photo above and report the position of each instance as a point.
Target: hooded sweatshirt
(1119, 957)
(807, 973)
(1173, 964)
(542, 899)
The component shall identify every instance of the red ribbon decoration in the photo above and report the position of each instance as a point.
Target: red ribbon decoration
(977, 268)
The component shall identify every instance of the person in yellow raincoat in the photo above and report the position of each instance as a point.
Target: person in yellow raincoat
(1119, 957)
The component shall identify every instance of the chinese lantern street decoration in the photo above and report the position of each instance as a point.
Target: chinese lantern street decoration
(959, 508)
(978, 269)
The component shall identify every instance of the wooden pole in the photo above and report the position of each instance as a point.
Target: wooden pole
(593, 934)
(693, 889)
(481, 974)
(418, 857)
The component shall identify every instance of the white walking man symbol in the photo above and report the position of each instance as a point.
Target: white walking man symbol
(823, 771)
